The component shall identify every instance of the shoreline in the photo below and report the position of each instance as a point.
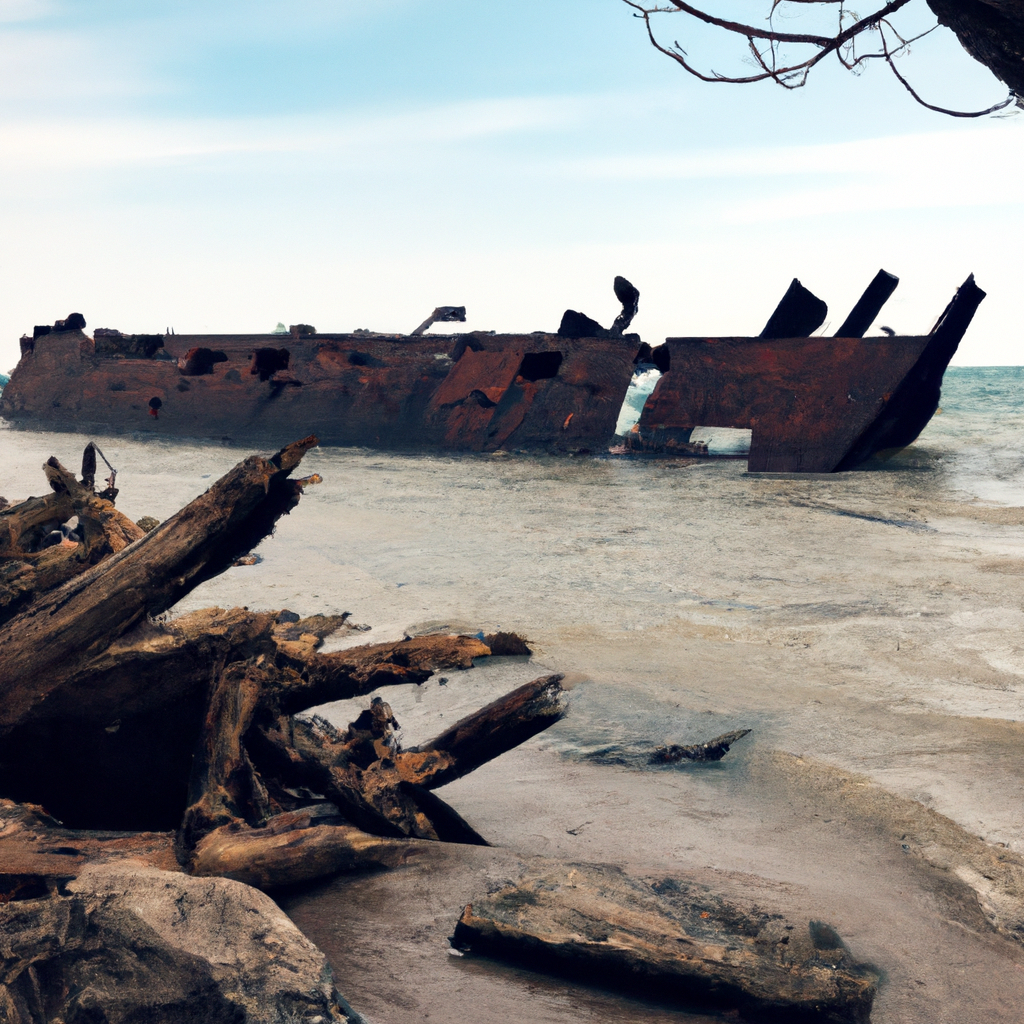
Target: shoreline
(867, 623)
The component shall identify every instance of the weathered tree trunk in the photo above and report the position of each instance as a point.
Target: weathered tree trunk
(292, 848)
(224, 785)
(27, 569)
(672, 939)
(37, 852)
(44, 648)
(492, 730)
(382, 788)
(991, 31)
(360, 670)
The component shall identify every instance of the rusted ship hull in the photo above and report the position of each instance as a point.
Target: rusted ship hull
(806, 401)
(813, 404)
(464, 392)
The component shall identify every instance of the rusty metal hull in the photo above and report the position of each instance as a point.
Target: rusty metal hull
(806, 401)
(470, 392)
(813, 405)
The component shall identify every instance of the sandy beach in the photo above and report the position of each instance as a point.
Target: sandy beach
(865, 630)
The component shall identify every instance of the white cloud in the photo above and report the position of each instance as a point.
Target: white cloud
(97, 142)
(741, 186)
(992, 142)
(65, 70)
(951, 169)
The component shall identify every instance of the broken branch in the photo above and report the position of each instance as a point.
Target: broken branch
(502, 725)
(713, 750)
(295, 847)
(44, 647)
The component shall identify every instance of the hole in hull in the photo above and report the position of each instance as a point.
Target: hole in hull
(639, 390)
(722, 440)
(267, 361)
(540, 365)
(199, 362)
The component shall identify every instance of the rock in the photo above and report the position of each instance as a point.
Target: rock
(147, 523)
(672, 938)
(129, 943)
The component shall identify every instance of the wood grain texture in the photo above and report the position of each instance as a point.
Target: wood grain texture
(45, 647)
(670, 938)
(295, 847)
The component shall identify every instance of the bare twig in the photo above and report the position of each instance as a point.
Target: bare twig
(941, 110)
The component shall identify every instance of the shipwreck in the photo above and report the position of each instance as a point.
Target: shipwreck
(812, 403)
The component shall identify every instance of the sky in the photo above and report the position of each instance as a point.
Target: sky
(224, 166)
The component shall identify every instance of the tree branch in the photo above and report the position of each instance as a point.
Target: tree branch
(794, 75)
(941, 110)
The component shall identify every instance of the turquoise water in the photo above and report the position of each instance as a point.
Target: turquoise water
(977, 441)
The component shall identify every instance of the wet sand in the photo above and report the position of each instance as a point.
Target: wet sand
(865, 626)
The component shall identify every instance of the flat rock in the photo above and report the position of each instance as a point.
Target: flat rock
(127, 943)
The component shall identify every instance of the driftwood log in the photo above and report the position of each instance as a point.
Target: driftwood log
(148, 736)
(712, 750)
(29, 566)
(670, 938)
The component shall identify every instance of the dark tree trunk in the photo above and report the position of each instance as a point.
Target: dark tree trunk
(991, 31)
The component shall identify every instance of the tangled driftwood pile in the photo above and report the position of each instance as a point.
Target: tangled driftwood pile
(113, 721)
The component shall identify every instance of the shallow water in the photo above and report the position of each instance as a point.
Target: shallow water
(865, 625)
